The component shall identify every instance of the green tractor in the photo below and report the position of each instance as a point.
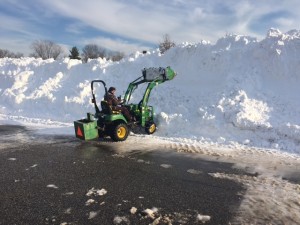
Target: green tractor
(107, 122)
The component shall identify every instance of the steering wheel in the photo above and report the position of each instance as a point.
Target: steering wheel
(121, 101)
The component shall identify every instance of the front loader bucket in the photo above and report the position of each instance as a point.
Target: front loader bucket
(86, 129)
(170, 74)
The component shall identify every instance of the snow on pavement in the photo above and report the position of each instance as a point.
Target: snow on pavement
(271, 194)
(267, 199)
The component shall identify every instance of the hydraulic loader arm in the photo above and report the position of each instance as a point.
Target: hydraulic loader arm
(131, 87)
(168, 75)
(147, 93)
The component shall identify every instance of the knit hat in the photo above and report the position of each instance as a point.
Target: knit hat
(111, 89)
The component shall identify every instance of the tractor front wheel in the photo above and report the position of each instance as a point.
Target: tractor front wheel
(150, 128)
(119, 132)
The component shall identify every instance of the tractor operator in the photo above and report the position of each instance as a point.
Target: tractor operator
(115, 102)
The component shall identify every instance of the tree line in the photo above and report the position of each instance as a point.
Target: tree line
(47, 49)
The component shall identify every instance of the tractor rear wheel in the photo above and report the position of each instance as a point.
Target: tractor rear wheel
(119, 132)
(150, 128)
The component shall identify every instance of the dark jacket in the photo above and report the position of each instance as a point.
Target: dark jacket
(114, 102)
(111, 99)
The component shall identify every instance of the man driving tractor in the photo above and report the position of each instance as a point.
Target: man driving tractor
(115, 102)
(116, 117)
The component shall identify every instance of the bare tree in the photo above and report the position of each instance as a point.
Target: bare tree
(46, 49)
(18, 55)
(117, 56)
(166, 44)
(5, 53)
(92, 51)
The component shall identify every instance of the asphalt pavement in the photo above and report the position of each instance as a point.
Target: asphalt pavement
(48, 179)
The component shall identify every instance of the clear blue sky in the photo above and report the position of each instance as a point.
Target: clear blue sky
(130, 25)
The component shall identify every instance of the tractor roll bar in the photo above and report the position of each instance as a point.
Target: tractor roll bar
(93, 95)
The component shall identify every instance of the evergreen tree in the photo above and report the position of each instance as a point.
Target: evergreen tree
(74, 53)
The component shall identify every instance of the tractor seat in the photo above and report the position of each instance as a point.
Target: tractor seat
(106, 108)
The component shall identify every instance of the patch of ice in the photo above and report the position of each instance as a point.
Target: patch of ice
(133, 210)
(52, 186)
(90, 202)
(92, 215)
(12, 159)
(151, 212)
(203, 218)
(120, 219)
(166, 166)
(68, 211)
(96, 192)
(193, 171)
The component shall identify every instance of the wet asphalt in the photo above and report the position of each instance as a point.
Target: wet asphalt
(45, 180)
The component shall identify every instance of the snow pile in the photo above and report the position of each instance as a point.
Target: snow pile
(239, 90)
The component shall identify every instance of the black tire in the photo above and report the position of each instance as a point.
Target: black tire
(119, 132)
(150, 128)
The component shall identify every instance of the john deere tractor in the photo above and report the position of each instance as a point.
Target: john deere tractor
(107, 122)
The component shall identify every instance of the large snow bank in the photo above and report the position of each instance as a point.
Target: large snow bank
(237, 90)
